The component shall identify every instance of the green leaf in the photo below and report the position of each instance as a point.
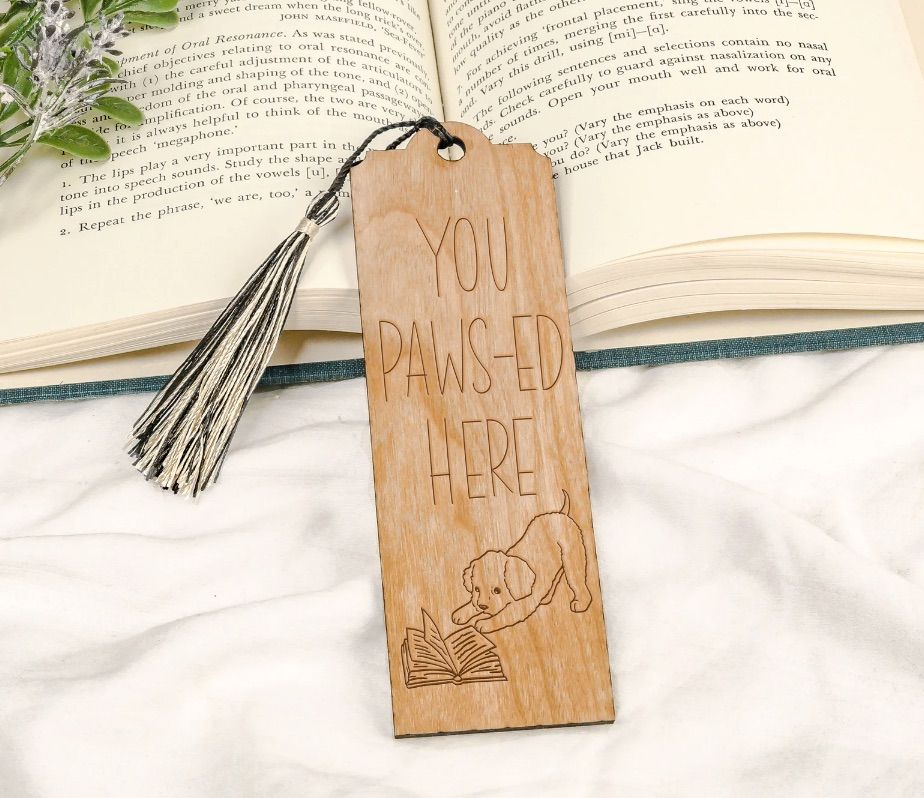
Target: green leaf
(16, 6)
(10, 108)
(120, 110)
(154, 6)
(7, 137)
(112, 65)
(79, 141)
(23, 84)
(11, 25)
(10, 71)
(168, 19)
(90, 8)
(16, 77)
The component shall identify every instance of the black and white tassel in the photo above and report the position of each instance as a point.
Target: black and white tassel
(181, 439)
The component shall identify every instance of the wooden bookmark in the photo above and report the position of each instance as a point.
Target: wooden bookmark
(493, 610)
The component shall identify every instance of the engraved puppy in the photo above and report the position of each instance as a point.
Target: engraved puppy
(507, 587)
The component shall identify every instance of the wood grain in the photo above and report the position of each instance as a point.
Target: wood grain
(493, 611)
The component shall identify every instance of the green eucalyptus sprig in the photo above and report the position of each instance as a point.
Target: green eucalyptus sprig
(53, 73)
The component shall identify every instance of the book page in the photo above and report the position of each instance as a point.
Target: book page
(251, 109)
(676, 121)
(914, 17)
(425, 651)
(474, 655)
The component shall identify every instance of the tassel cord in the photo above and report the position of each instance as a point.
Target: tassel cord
(325, 207)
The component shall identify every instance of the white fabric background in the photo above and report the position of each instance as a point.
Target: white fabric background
(759, 526)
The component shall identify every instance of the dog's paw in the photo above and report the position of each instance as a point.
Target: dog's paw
(460, 616)
(581, 603)
(483, 625)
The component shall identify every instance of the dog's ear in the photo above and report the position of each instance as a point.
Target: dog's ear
(467, 576)
(519, 577)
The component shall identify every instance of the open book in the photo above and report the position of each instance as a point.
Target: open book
(465, 656)
(723, 168)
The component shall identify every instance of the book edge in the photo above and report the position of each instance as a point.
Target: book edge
(622, 357)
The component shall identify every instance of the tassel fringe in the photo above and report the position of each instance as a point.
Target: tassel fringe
(183, 436)
(181, 440)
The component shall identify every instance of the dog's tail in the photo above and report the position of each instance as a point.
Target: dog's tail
(566, 505)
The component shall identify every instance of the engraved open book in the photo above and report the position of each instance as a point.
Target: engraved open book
(462, 657)
(726, 168)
